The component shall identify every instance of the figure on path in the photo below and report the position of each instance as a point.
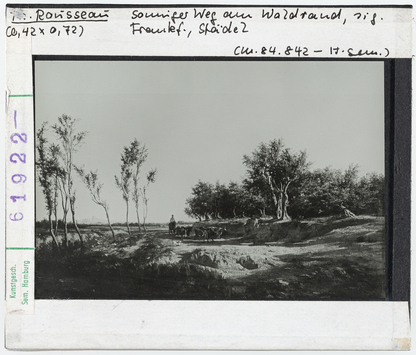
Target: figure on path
(172, 225)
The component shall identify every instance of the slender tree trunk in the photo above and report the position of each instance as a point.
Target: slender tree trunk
(64, 200)
(51, 230)
(56, 221)
(279, 207)
(55, 206)
(65, 227)
(127, 217)
(64, 203)
(144, 223)
(144, 215)
(109, 223)
(285, 202)
(55, 215)
(136, 195)
(276, 196)
(138, 218)
(81, 239)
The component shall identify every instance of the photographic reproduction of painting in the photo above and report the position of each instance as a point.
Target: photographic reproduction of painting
(209, 179)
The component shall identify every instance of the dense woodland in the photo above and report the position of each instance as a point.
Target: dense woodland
(280, 183)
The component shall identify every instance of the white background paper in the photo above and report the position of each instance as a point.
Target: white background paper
(354, 325)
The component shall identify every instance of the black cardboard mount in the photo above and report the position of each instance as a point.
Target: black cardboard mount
(398, 118)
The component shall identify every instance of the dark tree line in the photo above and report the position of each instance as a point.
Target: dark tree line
(211, 201)
(279, 183)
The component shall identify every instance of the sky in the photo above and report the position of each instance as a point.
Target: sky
(198, 119)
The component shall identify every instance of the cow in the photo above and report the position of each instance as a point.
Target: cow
(180, 231)
(201, 233)
(188, 230)
(214, 233)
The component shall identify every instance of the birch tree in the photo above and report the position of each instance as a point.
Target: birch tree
(69, 140)
(150, 178)
(94, 187)
(124, 184)
(138, 156)
(48, 172)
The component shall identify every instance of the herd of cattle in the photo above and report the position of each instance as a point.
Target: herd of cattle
(203, 233)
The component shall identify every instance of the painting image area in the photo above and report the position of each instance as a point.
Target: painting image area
(209, 180)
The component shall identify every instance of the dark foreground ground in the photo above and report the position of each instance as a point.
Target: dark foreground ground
(318, 259)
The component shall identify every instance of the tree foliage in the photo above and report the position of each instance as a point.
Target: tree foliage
(276, 167)
(279, 182)
(94, 187)
(132, 160)
(123, 182)
(324, 191)
(55, 169)
(213, 201)
(48, 173)
(150, 179)
(69, 142)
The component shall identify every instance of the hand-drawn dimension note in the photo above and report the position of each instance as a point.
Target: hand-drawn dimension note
(196, 153)
(292, 32)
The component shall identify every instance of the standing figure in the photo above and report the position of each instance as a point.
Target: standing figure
(172, 225)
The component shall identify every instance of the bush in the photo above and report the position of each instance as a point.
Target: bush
(150, 251)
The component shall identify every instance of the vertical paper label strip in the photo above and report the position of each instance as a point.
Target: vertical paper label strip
(20, 179)
(20, 288)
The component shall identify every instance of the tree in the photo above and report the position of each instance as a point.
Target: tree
(200, 205)
(219, 200)
(132, 160)
(58, 176)
(226, 200)
(138, 155)
(150, 178)
(239, 201)
(48, 170)
(69, 140)
(370, 192)
(318, 194)
(90, 180)
(124, 184)
(211, 201)
(326, 192)
(252, 199)
(276, 167)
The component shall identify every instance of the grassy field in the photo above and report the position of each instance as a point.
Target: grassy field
(333, 258)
